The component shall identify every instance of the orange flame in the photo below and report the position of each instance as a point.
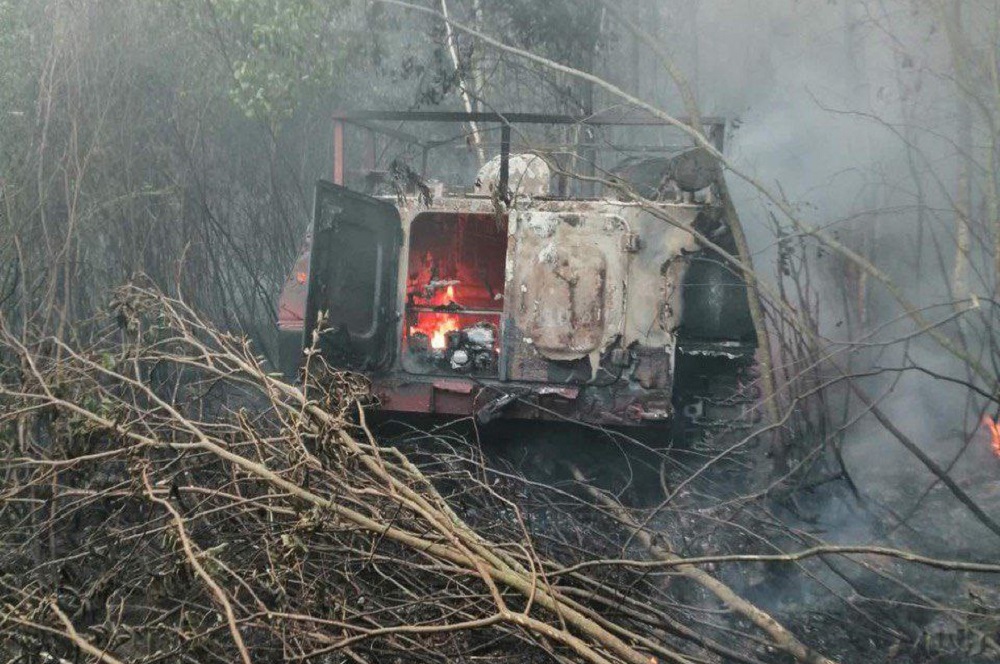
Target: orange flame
(437, 325)
(994, 428)
(437, 329)
(439, 335)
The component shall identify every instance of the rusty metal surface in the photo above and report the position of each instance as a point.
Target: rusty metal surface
(653, 368)
(338, 152)
(585, 275)
(292, 301)
(566, 284)
(622, 405)
(454, 385)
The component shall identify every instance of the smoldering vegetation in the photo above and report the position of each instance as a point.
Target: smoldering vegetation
(166, 497)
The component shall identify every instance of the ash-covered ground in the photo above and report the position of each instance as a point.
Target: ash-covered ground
(699, 491)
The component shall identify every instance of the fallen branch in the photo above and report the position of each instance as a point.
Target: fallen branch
(778, 634)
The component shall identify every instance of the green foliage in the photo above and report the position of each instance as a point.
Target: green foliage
(279, 52)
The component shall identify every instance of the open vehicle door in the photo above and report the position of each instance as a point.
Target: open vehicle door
(352, 278)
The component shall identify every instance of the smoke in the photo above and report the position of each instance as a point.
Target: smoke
(848, 110)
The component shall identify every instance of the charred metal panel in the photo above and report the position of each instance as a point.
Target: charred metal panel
(656, 273)
(353, 269)
(566, 316)
(651, 246)
(715, 302)
(566, 288)
(595, 299)
(653, 368)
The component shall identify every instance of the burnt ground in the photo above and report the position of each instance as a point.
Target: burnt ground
(864, 610)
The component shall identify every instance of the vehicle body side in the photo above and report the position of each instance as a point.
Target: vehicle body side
(587, 323)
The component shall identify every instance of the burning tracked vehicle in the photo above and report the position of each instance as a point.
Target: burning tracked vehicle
(527, 293)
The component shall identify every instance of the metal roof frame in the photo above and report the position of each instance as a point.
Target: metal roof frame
(367, 119)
